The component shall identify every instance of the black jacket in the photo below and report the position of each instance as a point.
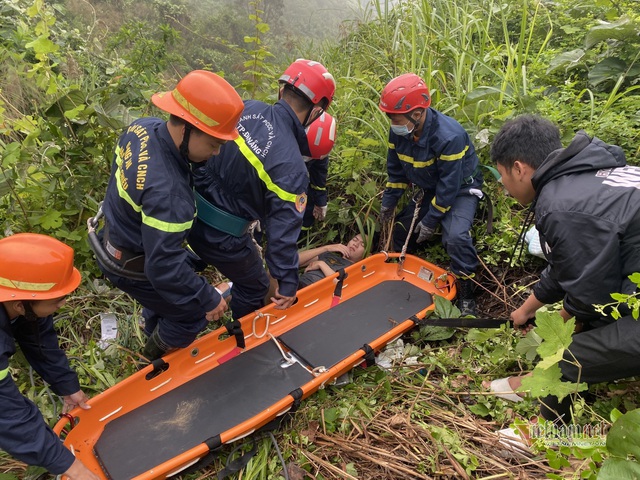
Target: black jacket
(587, 210)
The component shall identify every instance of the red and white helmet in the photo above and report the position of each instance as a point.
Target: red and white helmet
(404, 94)
(321, 135)
(312, 79)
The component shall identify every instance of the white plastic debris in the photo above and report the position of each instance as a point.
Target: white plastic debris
(108, 329)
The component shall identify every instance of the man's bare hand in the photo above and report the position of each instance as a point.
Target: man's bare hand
(218, 312)
(78, 471)
(78, 399)
(282, 302)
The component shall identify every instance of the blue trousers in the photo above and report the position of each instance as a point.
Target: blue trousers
(238, 260)
(456, 225)
(175, 328)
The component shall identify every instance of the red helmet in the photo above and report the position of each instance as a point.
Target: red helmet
(36, 267)
(312, 79)
(405, 93)
(205, 100)
(321, 135)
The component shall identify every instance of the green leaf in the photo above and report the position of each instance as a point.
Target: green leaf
(11, 154)
(607, 70)
(556, 334)
(624, 436)
(42, 46)
(444, 308)
(566, 60)
(480, 409)
(623, 29)
(547, 381)
(528, 345)
(617, 468)
(51, 220)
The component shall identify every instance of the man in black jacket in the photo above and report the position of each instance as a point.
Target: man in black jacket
(586, 201)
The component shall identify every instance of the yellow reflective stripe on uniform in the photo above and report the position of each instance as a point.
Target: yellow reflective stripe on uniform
(147, 220)
(208, 121)
(322, 189)
(264, 176)
(397, 185)
(438, 207)
(456, 156)
(4, 373)
(408, 159)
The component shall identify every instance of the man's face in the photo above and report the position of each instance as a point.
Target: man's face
(517, 182)
(356, 248)
(203, 146)
(44, 308)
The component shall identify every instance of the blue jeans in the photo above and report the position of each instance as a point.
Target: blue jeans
(456, 225)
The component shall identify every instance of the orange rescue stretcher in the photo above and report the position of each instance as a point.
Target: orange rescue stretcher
(171, 414)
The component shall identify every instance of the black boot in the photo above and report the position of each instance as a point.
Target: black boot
(466, 298)
(155, 347)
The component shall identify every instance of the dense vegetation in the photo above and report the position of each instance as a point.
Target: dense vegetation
(74, 73)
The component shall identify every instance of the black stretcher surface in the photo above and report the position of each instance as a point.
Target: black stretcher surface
(197, 410)
(337, 333)
(247, 384)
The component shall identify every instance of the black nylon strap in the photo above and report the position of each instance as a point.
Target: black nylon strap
(337, 292)
(235, 328)
(369, 355)
(465, 322)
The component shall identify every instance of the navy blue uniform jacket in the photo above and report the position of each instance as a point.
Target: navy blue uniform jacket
(24, 433)
(262, 176)
(150, 208)
(443, 162)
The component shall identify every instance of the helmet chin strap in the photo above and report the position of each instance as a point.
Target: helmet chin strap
(411, 119)
(306, 122)
(184, 146)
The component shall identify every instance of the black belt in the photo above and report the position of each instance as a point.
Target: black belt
(130, 261)
(115, 260)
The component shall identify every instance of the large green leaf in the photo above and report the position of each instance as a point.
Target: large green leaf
(556, 334)
(617, 468)
(566, 60)
(545, 382)
(624, 436)
(623, 443)
(622, 29)
(608, 69)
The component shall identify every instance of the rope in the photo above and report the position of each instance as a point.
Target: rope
(266, 327)
(417, 199)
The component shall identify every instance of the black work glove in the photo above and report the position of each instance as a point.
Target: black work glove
(386, 213)
(424, 233)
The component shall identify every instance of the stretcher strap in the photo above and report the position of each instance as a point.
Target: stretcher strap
(369, 355)
(235, 328)
(337, 292)
(467, 322)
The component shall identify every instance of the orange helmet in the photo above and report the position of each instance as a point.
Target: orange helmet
(405, 93)
(36, 267)
(312, 79)
(205, 100)
(321, 135)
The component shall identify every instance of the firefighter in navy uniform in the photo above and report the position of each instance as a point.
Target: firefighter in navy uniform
(261, 176)
(36, 275)
(149, 208)
(321, 135)
(432, 151)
